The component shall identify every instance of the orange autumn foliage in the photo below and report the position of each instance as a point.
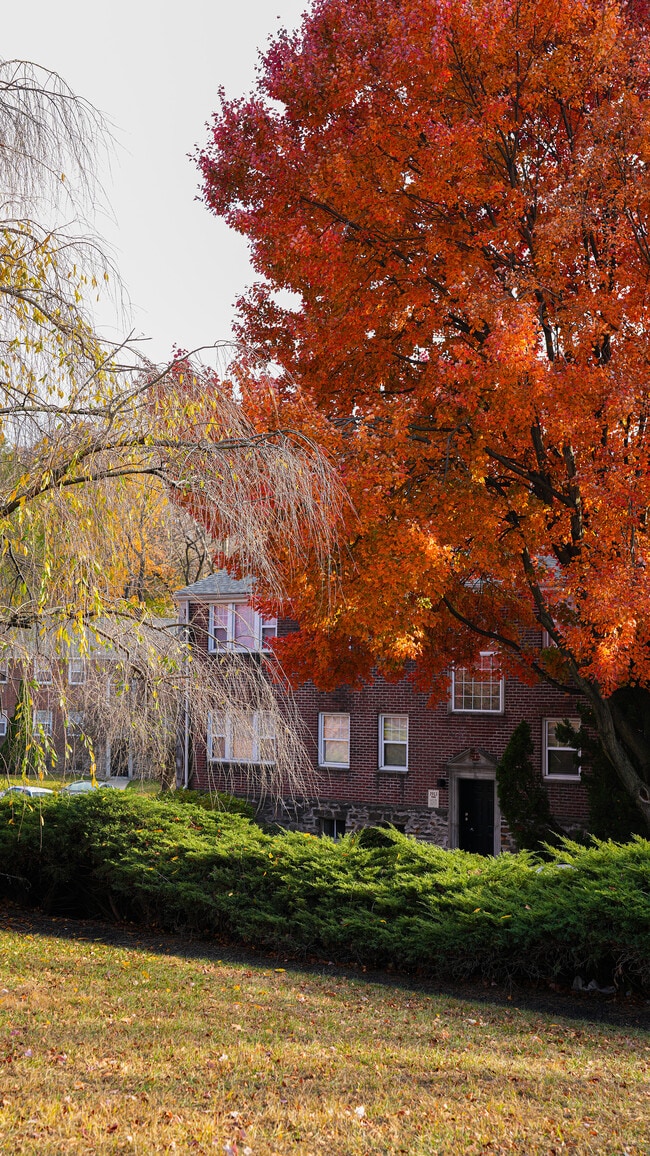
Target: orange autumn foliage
(458, 195)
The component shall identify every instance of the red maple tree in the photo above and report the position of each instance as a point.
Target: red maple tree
(458, 196)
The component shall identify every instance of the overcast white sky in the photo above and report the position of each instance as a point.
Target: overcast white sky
(154, 70)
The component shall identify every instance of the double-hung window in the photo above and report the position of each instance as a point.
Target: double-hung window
(42, 670)
(560, 759)
(75, 724)
(43, 722)
(247, 737)
(4, 669)
(236, 626)
(219, 627)
(268, 629)
(393, 742)
(479, 689)
(4, 722)
(76, 671)
(334, 740)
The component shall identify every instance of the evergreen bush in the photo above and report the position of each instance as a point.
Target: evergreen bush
(395, 901)
(523, 798)
(211, 801)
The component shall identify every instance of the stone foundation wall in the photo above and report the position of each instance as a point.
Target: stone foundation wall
(432, 826)
(424, 823)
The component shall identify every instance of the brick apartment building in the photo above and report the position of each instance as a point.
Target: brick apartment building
(72, 703)
(63, 730)
(382, 754)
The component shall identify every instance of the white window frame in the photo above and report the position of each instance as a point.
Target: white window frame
(44, 722)
(265, 624)
(259, 622)
(336, 834)
(576, 775)
(472, 709)
(398, 770)
(213, 645)
(258, 738)
(4, 724)
(76, 677)
(44, 663)
(75, 723)
(4, 669)
(322, 762)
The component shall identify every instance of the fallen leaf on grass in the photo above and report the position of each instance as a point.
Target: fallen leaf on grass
(171, 1118)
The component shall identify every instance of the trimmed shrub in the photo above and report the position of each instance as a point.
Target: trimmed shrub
(211, 801)
(392, 901)
(523, 798)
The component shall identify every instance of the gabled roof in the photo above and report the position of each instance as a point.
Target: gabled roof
(219, 585)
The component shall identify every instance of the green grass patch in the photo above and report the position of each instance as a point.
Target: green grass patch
(55, 782)
(379, 899)
(127, 1049)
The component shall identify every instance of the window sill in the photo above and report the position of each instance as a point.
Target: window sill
(237, 763)
(228, 648)
(562, 778)
(393, 770)
(469, 710)
(334, 766)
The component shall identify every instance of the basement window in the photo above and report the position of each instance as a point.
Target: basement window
(333, 828)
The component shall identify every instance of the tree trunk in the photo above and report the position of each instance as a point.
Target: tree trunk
(612, 738)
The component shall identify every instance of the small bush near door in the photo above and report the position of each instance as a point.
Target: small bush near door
(523, 798)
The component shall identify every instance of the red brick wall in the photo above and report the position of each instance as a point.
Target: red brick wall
(435, 736)
(46, 697)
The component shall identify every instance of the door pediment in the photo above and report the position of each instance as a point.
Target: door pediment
(472, 759)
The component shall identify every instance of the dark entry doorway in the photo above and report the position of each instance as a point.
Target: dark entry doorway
(476, 815)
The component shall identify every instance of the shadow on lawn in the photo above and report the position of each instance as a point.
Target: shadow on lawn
(618, 1010)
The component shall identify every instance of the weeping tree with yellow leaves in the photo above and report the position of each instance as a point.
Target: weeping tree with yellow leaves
(103, 453)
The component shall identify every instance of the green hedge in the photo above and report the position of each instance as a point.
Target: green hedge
(378, 898)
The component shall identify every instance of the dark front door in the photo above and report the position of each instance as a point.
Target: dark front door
(476, 815)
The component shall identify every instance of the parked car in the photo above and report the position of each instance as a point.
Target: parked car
(83, 786)
(31, 792)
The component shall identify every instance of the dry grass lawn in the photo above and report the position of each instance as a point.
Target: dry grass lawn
(133, 1049)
